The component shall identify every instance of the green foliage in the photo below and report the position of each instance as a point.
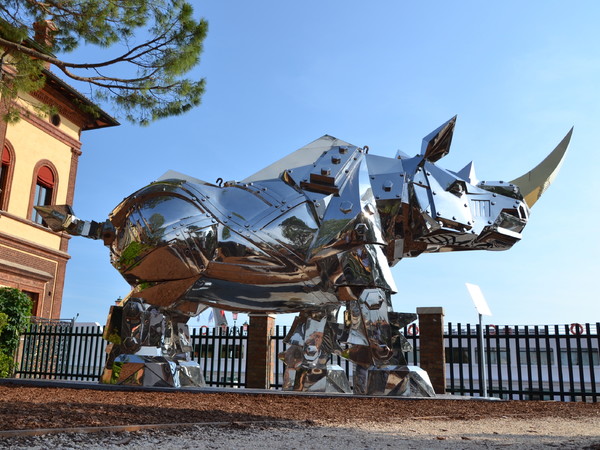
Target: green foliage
(6, 362)
(143, 79)
(17, 307)
(6, 365)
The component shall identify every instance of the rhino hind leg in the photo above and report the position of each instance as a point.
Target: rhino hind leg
(149, 347)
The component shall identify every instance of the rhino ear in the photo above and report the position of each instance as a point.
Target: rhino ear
(535, 182)
(468, 173)
(436, 144)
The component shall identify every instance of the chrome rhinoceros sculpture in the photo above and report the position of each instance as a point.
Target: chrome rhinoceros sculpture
(313, 233)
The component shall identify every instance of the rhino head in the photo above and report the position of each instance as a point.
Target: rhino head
(444, 210)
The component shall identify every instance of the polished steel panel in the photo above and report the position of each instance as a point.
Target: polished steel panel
(314, 233)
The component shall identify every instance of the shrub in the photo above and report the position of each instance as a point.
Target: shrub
(16, 306)
(6, 362)
(6, 365)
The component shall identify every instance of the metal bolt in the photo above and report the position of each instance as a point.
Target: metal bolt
(325, 171)
(346, 206)
(336, 159)
(343, 150)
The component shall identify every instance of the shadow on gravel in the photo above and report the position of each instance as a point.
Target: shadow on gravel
(24, 415)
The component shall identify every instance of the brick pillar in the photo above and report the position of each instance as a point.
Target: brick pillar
(259, 359)
(433, 356)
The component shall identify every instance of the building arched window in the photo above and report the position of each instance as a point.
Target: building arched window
(45, 187)
(6, 169)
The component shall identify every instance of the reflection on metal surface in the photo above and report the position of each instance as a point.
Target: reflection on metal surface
(314, 233)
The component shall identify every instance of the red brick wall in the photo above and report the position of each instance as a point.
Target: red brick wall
(432, 353)
(259, 362)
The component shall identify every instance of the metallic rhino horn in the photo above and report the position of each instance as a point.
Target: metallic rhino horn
(535, 182)
(436, 144)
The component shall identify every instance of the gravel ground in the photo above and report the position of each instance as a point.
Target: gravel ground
(417, 434)
(234, 420)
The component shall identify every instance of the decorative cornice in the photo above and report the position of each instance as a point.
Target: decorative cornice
(47, 127)
(51, 100)
(24, 271)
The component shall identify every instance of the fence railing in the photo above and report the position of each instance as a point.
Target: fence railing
(558, 362)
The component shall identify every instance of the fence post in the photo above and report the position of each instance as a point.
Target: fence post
(431, 343)
(259, 360)
(18, 357)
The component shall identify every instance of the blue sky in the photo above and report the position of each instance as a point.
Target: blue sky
(385, 74)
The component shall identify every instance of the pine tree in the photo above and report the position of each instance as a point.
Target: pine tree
(143, 79)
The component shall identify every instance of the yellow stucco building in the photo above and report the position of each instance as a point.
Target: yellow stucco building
(39, 166)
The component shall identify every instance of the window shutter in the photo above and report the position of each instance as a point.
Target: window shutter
(5, 156)
(45, 177)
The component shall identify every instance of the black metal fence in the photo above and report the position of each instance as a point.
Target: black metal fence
(558, 362)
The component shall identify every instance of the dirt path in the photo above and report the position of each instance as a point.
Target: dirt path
(314, 422)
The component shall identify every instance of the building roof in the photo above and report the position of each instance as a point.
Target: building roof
(93, 120)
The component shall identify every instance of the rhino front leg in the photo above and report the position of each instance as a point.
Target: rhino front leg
(311, 341)
(376, 346)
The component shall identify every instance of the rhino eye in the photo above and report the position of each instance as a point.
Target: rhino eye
(457, 188)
